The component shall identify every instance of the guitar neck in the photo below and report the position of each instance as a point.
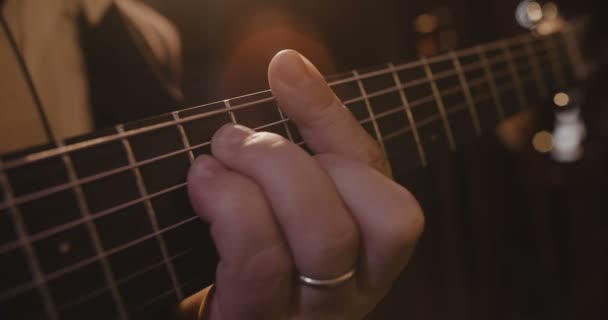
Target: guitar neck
(100, 224)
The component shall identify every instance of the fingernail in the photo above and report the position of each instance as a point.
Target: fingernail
(292, 69)
(232, 134)
(205, 166)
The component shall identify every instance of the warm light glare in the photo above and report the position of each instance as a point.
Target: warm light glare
(561, 99)
(535, 11)
(543, 142)
(426, 23)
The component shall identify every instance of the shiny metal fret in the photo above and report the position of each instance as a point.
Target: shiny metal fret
(84, 209)
(371, 114)
(519, 88)
(285, 125)
(467, 93)
(151, 214)
(183, 136)
(500, 110)
(440, 104)
(229, 108)
(410, 116)
(32, 260)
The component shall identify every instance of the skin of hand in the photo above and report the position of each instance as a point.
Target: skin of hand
(276, 212)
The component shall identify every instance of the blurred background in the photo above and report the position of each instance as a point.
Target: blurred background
(511, 232)
(227, 44)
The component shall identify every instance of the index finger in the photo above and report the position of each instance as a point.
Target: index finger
(325, 124)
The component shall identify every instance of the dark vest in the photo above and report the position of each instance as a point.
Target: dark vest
(125, 81)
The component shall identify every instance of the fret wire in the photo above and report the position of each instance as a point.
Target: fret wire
(182, 133)
(34, 265)
(160, 297)
(412, 105)
(410, 116)
(49, 191)
(396, 88)
(370, 112)
(105, 212)
(151, 213)
(114, 137)
(92, 229)
(428, 99)
(40, 194)
(431, 119)
(384, 114)
(97, 292)
(86, 262)
(492, 83)
(551, 48)
(74, 223)
(467, 94)
(229, 108)
(519, 88)
(440, 105)
(542, 88)
(93, 142)
(285, 121)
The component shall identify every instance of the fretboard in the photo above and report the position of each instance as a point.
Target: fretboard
(101, 224)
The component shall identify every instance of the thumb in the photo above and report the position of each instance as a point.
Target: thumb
(325, 124)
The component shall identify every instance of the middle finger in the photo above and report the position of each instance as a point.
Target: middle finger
(320, 232)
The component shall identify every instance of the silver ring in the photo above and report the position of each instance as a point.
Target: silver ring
(329, 283)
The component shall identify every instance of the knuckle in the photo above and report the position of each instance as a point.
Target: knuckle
(334, 246)
(267, 268)
(376, 158)
(409, 225)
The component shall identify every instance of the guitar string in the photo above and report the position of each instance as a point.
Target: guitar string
(169, 292)
(273, 124)
(463, 107)
(439, 76)
(18, 201)
(181, 186)
(99, 291)
(42, 155)
(86, 262)
(46, 192)
(12, 246)
(83, 263)
(161, 296)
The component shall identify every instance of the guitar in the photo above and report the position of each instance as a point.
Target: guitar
(99, 226)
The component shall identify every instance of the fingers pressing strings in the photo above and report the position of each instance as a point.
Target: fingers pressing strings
(255, 274)
(326, 125)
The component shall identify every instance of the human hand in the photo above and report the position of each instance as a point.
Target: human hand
(277, 213)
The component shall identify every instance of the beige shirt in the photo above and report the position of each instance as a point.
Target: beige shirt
(46, 32)
(47, 35)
